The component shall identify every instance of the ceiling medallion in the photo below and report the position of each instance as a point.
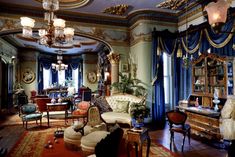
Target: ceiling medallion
(71, 4)
(117, 9)
(172, 4)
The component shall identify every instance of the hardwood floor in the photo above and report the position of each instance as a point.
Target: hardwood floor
(197, 148)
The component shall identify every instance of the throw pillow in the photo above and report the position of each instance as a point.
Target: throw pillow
(102, 104)
(121, 106)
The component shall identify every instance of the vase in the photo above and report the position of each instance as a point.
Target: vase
(53, 101)
(139, 123)
(59, 100)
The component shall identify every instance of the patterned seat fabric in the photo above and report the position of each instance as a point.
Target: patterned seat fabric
(120, 105)
(82, 108)
(29, 113)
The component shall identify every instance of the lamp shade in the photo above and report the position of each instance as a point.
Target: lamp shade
(27, 22)
(217, 12)
(42, 32)
(59, 23)
(68, 31)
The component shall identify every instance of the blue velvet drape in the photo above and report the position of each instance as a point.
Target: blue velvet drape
(158, 107)
(54, 76)
(78, 65)
(193, 44)
(68, 72)
(46, 63)
(42, 63)
(158, 114)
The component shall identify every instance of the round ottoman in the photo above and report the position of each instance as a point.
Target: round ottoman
(72, 139)
(89, 141)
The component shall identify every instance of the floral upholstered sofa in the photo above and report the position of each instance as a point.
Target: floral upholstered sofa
(117, 108)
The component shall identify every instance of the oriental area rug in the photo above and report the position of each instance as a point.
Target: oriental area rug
(32, 144)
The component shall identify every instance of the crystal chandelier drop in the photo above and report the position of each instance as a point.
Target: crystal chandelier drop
(56, 34)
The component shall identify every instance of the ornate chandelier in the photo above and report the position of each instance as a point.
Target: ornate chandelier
(59, 65)
(55, 34)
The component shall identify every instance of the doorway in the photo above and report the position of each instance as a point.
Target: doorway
(6, 92)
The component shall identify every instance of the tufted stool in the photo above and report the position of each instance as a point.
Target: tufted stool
(89, 141)
(72, 139)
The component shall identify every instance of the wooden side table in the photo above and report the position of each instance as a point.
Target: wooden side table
(57, 107)
(137, 138)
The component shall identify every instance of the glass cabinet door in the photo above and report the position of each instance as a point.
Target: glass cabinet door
(199, 74)
(230, 76)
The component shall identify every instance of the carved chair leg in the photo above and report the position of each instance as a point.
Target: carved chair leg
(189, 134)
(26, 125)
(171, 138)
(183, 142)
(40, 121)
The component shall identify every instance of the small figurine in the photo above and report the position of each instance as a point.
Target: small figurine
(197, 103)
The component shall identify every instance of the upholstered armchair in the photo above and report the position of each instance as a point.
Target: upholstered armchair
(42, 104)
(81, 110)
(29, 113)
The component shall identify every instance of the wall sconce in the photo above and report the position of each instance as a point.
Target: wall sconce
(217, 14)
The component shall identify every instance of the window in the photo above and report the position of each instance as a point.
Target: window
(61, 77)
(46, 78)
(75, 78)
(167, 72)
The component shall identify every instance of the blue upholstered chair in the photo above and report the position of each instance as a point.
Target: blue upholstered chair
(29, 113)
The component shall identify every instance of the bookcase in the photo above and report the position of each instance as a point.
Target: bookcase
(209, 72)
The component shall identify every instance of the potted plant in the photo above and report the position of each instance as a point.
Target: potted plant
(129, 85)
(138, 112)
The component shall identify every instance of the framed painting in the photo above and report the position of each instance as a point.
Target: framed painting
(125, 67)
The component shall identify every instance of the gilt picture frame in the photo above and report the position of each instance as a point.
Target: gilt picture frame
(124, 67)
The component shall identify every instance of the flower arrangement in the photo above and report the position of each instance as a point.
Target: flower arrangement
(186, 62)
(139, 111)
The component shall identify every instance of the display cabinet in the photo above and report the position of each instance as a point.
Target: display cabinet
(210, 73)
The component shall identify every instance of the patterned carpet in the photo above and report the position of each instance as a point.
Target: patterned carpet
(31, 144)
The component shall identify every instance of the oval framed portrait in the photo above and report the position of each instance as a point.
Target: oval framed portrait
(28, 76)
(91, 77)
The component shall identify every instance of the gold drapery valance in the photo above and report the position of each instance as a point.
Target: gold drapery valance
(220, 45)
(196, 47)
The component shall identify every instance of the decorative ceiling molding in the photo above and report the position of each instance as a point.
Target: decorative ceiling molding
(118, 21)
(70, 4)
(172, 4)
(117, 10)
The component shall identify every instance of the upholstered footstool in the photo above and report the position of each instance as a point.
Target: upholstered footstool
(89, 141)
(72, 139)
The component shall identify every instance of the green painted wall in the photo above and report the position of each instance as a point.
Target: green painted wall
(89, 65)
(141, 55)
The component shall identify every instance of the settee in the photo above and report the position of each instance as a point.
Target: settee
(119, 111)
